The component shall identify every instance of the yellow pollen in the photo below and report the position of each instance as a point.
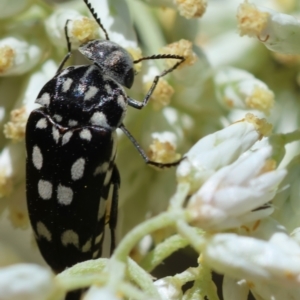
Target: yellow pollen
(136, 54)
(84, 30)
(261, 99)
(15, 128)
(183, 48)
(251, 21)
(261, 125)
(163, 152)
(270, 165)
(191, 8)
(7, 56)
(161, 95)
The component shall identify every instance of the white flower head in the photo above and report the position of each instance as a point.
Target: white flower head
(17, 56)
(26, 282)
(237, 88)
(277, 31)
(275, 261)
(228, 198)
(220, 149)
(163, 147)
(80, 29)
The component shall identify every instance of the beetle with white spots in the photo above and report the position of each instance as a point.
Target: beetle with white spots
(72, 179)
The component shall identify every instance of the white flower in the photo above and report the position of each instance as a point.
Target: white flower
(220, 149)
(80, 29)
(163, 147)
(276, 261)
(277, 31)
(17, 56)
(239, 89)
(227, 199)
(26, 282)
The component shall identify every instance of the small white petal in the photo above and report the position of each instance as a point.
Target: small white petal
(96, 293)
(275, 261)
(277, 31)
(167, 289)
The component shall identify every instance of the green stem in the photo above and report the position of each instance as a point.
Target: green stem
(286, 138)
(132, 292)
(76, 282)
(205, 281)
(135, 235)
(178, 199)
(188, 275)
(142, 279)
(162, 251)
(192, 235)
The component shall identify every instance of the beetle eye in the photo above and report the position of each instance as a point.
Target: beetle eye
(128, 79)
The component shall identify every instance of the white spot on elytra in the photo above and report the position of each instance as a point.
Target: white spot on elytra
(44, 99)
(72, 123)
(101, 210)
(87, 246)
(66, 71)
(99, 119)
(92, 91)
(77, 169)
(57, 118)
(45, 189)
(108, 88)
(107, 177)
(66, 137)
(121, 102)
(98, 238)
(55, 134)
(42, 123)
(37, 157)
(101, 169)
(64, 195)
(70, 237)
(85, 134)
(95, 254)
(43, 231)
(67, 84)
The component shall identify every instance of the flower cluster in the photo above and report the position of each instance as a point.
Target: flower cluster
(231, 108)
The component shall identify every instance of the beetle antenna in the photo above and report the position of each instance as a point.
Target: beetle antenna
(94, 14)
(163, 56)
